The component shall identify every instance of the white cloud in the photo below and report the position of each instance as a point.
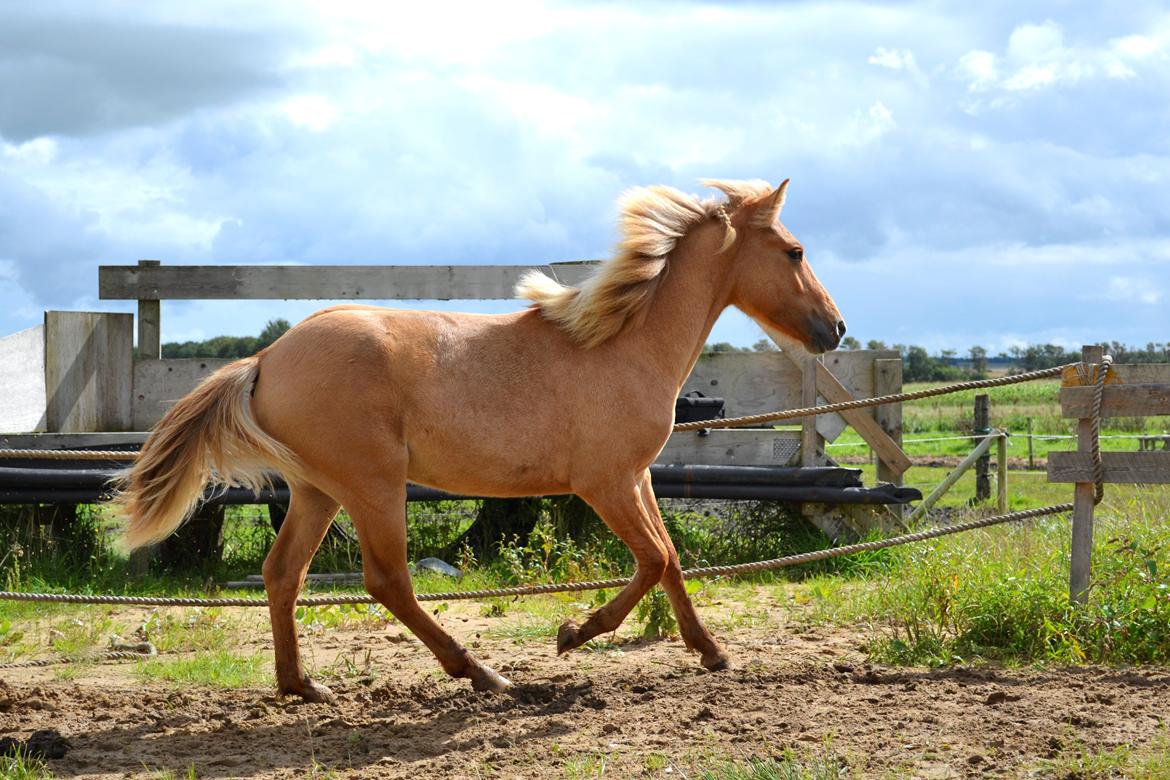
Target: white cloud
(1128, 289)
(360, 133)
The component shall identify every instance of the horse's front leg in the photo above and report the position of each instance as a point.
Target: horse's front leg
(620, 506)
(309, 514)
(694, 633)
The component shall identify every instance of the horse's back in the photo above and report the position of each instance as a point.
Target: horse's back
(473, 403)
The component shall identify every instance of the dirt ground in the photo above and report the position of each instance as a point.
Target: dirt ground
(630, 708)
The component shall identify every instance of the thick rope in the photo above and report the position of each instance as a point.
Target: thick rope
(1095, 430)
(70, 454)
(534, 590)
(709, 571)
(861, 403)
(107, 656)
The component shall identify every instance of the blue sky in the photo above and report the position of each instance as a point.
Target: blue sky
(962, 173)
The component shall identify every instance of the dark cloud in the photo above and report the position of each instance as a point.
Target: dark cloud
(76, 77)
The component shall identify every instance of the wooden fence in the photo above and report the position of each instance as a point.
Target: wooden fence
(95, 386)
(1130, 391)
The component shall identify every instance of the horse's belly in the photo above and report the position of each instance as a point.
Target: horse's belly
(487, 465)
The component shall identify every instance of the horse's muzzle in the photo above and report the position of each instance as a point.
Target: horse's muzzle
(826, 335)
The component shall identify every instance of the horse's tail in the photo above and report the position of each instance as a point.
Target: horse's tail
(208, 436)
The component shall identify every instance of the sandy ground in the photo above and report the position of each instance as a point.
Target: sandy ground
(630, 708)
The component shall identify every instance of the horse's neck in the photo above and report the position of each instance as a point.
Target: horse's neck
(689, 298)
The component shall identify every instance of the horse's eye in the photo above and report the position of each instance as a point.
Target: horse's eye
(796, 254)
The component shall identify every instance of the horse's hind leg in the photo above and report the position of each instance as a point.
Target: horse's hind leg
(622, 510)
(309, 515)
(694, 633)
(379, 517)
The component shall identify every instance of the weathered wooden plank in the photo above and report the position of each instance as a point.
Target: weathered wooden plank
(159, 383)
(88, 370)
(22, 381)
(149, 322)
(887, 379)
(324, 282)
(1150, 468)
(732, 448)
(1126, 374)
(1081, 551)
(1141, 400)
(862, 421)
(811, 443)
(757, 382)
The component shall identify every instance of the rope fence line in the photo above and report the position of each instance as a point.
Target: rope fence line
(695, 573)
(861, 403)
(552, 587)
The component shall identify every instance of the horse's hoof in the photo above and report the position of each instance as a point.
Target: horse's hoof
(716, 662)
(568, 637)
(486, 678)
(311, 692)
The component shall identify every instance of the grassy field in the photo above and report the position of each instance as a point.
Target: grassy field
(998, 593)
(948, 416)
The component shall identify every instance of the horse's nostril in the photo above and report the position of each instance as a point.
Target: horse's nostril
(840, 328)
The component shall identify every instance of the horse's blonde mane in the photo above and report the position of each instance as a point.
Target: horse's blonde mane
(653, 220)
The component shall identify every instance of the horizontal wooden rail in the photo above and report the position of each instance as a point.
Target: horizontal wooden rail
(324, 282)
(1143, 468)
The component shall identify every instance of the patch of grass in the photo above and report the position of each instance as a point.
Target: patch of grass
(1077, 760)
(585, 766)
(221, 669)
(20, 767)
(1002, 593)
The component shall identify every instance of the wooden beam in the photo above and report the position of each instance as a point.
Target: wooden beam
(1145, 400)
(1124, 374)
(1081, 558)
(810, 441)
(324, 282)
(983, 446)
(1144, 468)
(887, 379)
(149, 322)
(862, 421)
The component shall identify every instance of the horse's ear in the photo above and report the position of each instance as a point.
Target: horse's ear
(771, 208)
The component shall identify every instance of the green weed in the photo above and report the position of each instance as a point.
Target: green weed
(20, 767)
(220, 669)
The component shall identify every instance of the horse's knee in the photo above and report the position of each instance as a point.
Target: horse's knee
(653, 563)
(391, 588)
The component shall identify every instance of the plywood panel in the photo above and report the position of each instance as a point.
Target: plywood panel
(733, 448)
(22, 381)
(88, 370)
(159, 383)
(758, 382)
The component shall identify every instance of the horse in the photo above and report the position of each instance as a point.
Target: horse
(574, 394)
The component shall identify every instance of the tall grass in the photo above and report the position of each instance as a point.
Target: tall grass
(1002, 593)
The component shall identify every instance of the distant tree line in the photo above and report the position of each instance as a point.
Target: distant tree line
(227, 346)
(918, 365)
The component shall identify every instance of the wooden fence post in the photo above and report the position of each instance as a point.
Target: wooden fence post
(1001, 488)
(982, 427)
(1082, 524)
(810, 440)
(149, 323)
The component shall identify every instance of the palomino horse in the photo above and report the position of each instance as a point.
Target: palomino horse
(573, 395)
